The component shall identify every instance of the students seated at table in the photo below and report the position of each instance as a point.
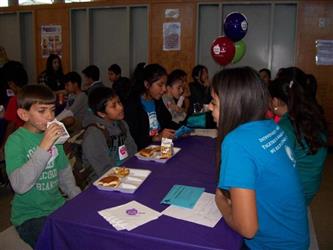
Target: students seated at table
(303, 121)
(77, 103)
(16, 78)
(173, 99)
(91, 78)
(53, 75)
(199, 87)
(121, 85)
(266, 203)
(36, 167)
(265, 75)
(107, 141)
(200, 94)
(147, 117)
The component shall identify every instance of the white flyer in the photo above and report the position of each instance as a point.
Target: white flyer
(205, 211)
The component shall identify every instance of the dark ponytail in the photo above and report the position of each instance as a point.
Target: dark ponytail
(305, 114)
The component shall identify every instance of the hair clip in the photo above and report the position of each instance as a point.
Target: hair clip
(291, 83)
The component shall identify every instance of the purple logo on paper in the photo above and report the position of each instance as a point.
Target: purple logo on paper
(131, 211)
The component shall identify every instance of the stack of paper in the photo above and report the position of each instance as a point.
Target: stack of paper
(205, 211)
(183, 196)
(129, 216)
(205, 132)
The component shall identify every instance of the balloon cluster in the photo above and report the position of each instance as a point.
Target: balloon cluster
(230, 48)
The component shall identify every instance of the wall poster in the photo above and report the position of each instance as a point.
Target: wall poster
(171, 36)
(51, 40)
(324, 55)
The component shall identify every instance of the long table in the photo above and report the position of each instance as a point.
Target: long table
(77, 225)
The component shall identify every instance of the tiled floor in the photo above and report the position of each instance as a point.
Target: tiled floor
(321, 208)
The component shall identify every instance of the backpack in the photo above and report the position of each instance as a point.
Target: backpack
(73, 148)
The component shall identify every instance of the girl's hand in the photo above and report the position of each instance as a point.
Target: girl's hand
(51, 134)
(166, 133)
(174, 107)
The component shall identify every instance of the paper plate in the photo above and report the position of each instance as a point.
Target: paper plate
(128, 184)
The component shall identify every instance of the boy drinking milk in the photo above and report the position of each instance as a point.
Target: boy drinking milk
(36, 167)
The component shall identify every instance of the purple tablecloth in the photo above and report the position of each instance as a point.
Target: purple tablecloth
(77, 225)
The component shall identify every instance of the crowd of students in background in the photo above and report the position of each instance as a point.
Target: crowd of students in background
(117, 122)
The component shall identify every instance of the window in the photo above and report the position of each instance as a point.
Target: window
(270, 39)
(104, 36)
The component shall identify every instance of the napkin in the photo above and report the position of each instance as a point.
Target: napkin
(129, 216)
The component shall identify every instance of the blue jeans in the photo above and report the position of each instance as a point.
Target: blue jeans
(29, 231)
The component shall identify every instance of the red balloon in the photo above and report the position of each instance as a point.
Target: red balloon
(222, 50)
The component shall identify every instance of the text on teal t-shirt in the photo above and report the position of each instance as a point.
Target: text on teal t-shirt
(257, 156)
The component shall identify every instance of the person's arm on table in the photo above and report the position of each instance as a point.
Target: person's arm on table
(64, 114)
(240, 213)
(165, 133)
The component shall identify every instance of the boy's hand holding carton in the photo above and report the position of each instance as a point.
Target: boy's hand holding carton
(55, 133)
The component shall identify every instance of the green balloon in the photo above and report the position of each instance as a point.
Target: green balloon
(240, 47)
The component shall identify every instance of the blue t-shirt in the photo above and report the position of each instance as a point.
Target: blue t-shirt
(150, 108)
(257, 156)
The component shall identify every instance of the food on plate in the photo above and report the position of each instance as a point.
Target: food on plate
(109, 181)
(157, 148)
(146, 152)
(149, 151)
(120, 171)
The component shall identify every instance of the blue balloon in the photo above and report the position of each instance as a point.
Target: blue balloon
(235, 26)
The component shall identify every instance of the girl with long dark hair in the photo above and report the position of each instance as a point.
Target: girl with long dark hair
(302, 119)
(266, 204)
(147, 117)
(53, 75)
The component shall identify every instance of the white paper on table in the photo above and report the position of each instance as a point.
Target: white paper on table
(205, 132)
(205, 211)
(129, 215)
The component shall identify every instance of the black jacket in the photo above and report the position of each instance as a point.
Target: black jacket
(138, 121)
(199, 94)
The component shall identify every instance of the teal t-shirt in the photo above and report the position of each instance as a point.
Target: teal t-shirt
(44, 197)
(309, 166)
(257, 156)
